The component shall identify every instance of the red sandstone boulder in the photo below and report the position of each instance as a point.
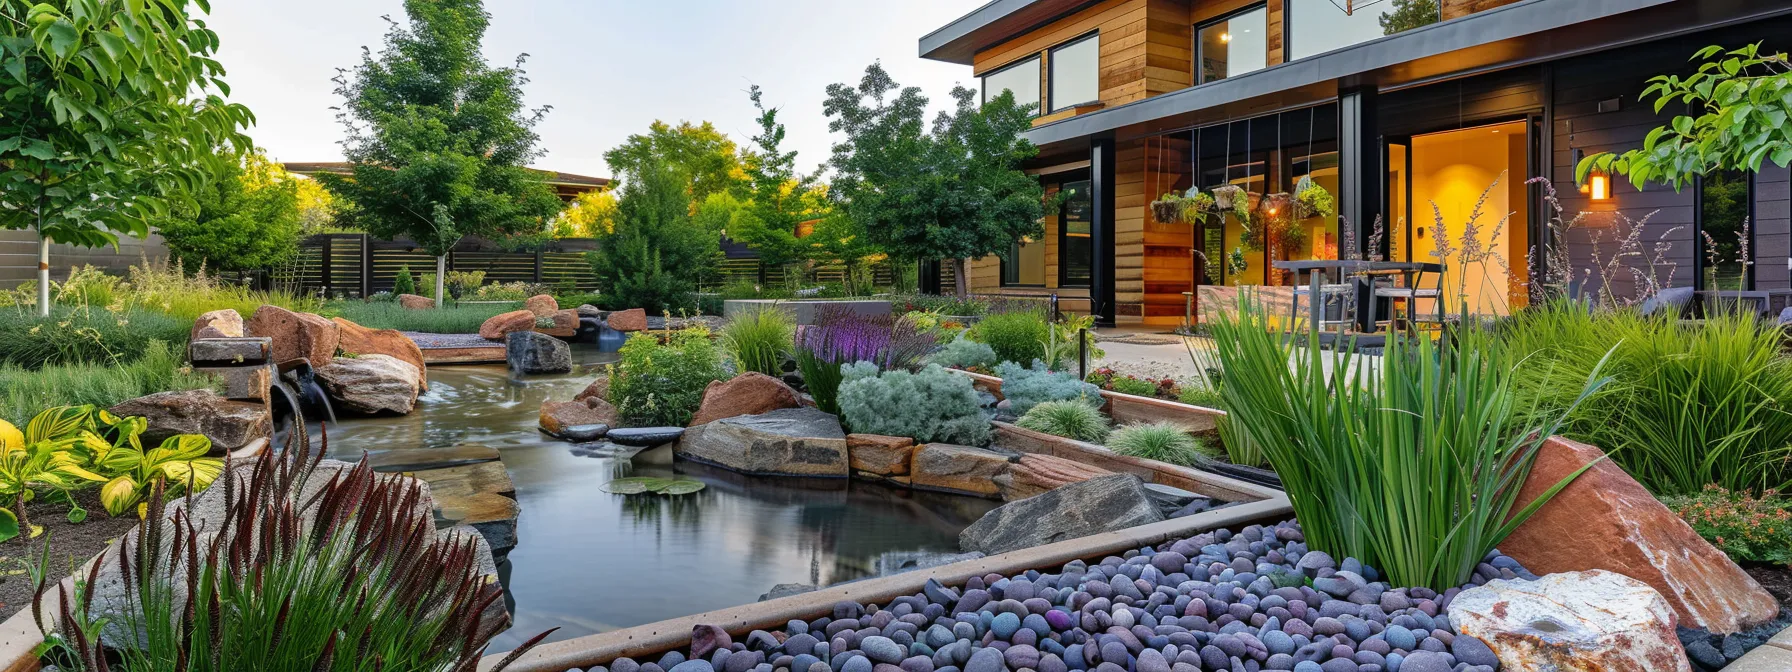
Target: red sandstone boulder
(599, 388)
(566, 324)
(296, 335)
(1037, 474)
(226, 323)
(414, 302)
(559, 416)
(749, 393)
(543, 305)
(359, 340)
(879, 454)
(1606, 520)
(504, 324)
(634, 319)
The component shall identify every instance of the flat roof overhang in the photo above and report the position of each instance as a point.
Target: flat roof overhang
(991, 24)
(1514, 35)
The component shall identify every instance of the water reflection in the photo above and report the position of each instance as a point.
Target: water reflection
(588, 561)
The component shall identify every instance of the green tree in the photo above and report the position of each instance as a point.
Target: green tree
(247, 218)
(439, 140)
(774, 197)
(953, 192)
(1738, 105)
(112, 109)
(1409, 14)
(654, 257)
(838, 238)
(706, 157)
(590, 215)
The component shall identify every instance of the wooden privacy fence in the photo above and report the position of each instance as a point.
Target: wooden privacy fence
(354, 265)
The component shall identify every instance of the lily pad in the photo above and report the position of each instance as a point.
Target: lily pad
(640, 485)
(684, 487)
(630, 486)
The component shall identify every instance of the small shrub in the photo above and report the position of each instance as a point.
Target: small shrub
(964, 353)
(1025, 388)
(661, 385)
(840, 337)
(759, 340)
(1016, 337)
(942, 305)
(1161, 441)
(1200, 394)
(929, 406)
(404, 283)
(1133, 386)
(1069, 419)
(506, 291)
(1748, 528)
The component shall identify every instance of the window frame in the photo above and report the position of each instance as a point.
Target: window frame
(1070, 178)
(1288, 28)
(1749, 274)
(983, 81)
(1050, 73)
(1228, 16)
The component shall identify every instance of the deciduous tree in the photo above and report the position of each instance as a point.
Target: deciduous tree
(439, 139)
(247, 218)
(112, 109)
(774, 197)
(953, 192)
(709, 161)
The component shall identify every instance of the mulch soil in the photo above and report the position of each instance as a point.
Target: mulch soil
(1776, 579)
(71, 545)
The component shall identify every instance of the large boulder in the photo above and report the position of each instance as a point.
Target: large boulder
(228, 351)
(414, 302)
(1036, 474)
(230, 425)
(370, 384)
(881, 455)
(789, 441)
(1571, 621)
(542, 305)
(1101, 504)
(529, 352)
(750, 393)
(959, 469)
(359, 340)
(1606, 520)
(296, 335)
(588, 310)
(565, 324)
(599, 388)
(634, 319)
(575, 420)
(226, 322)
(498, 326)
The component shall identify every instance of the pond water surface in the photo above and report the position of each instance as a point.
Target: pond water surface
(588, 561)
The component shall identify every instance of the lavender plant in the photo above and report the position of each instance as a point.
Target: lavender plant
(841, 336)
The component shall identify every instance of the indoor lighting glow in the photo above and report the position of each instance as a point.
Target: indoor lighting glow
(1225, 37)
(1601, 186)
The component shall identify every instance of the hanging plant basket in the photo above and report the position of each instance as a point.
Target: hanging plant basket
(1169, 208)
(1226, 194)
(1198, 208)
(1312, 200)
(1278, 205)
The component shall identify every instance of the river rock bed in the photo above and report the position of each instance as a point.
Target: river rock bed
(1218, 602)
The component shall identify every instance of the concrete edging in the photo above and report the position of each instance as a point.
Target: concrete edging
(656, 638)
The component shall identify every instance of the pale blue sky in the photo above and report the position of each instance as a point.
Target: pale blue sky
(609, 67)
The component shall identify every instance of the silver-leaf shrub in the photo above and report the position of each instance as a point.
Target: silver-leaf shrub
(1025, 387)
(931, 406)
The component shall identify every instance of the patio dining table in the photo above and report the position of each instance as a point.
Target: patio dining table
(1358, 270)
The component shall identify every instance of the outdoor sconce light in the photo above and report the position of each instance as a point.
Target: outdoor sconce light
(1599, 185)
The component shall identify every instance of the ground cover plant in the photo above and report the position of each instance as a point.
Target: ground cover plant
(160, 368)
(342, 575)
(1070, 419)
(1026, 387)
(451, 319)
(83, 335)
(930, 405)
(760, 340)
(964, 353)
(661, 385)
(1689, 404)
(840, 337)
(1749, 528)
(1410, 463)
(1161, 441)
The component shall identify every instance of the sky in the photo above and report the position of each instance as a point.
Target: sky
(609, 68)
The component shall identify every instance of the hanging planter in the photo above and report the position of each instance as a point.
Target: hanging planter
(1225, 195)
(1169, 208)
(1240, 206)
(1313, 200)
(1236, 262)
(1198, 208)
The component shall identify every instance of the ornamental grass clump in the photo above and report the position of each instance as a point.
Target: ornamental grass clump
(759, 340)
(1410, 462)
(1161, 441)
(1026, 387)
(1017, 336)
(932, 405)
(840, 337)
(1069, 419)
(288, 574)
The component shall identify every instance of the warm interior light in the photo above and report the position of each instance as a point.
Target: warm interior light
(1225, 37)
(1601, 186)
(1272, 212)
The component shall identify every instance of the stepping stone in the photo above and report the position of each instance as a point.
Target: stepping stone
(421, 459)
(487, 477)
(584, 433)
(645, 437)
(480, 496)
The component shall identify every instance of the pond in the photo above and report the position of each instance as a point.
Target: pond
(588, 561)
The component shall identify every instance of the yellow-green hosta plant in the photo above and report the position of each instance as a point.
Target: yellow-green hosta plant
(117, 454)
(40, 458)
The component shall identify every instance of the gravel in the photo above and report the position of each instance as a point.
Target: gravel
(1216, 602)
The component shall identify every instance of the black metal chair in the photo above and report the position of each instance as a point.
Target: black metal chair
(1412, 291)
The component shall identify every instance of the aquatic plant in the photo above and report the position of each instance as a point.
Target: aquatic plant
(641, 485)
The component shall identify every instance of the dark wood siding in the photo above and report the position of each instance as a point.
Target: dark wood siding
(1465, 102)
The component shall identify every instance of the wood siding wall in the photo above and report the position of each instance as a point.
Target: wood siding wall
(1460, 8)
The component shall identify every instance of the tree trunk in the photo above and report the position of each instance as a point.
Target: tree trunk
(961, 280)
(441, 278)
(43, 275)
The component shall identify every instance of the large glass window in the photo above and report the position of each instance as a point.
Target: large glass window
(1724, 245)
(1233, 45)
(1076, 77)
(1022, 78)
(1074, 252)
(1319, 26)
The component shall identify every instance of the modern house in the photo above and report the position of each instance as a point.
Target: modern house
(1391, 106)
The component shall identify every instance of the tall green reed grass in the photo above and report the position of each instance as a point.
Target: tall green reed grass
(451, 319)
(160, 368)
(1410, 462)
(760, 340)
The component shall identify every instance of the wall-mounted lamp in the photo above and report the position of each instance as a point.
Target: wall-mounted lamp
(1599, 185)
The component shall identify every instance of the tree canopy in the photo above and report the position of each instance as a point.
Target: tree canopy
(248, 218)
(652, 258)
(774, 197)
(954, 191)
(707, 159)
(591, 215)
(439, 140)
